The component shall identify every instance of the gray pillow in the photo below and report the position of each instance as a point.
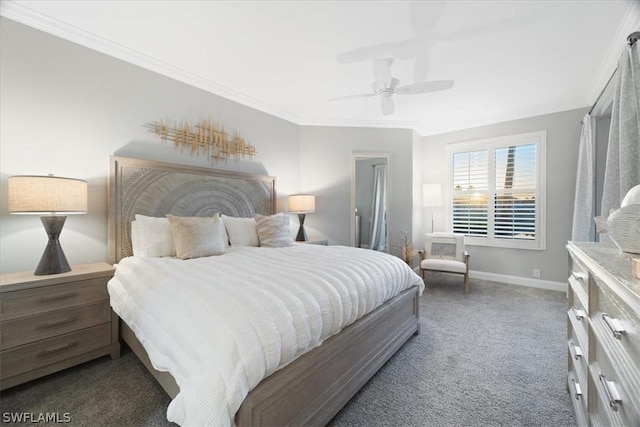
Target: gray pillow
(273, 231)
(196, 237)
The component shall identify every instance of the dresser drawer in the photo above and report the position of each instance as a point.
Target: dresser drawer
(579, 321)
(615, 386)
(580, 274)
(578, 333)
(577, 391)
(619, 322)
(49, 298)
(578, 356)
(579, 297)
(600, 413)
(33, 328)
(33, 356)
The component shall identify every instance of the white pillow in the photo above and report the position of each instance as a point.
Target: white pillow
(197, 237)
(154, 237)
(273, 230)
(135, 238)
(241, 231)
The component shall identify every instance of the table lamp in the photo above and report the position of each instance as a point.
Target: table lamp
(50, 195)
(302, 204)
(431, 197)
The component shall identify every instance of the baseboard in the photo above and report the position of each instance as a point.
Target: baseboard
(514, 280)
(518, 280)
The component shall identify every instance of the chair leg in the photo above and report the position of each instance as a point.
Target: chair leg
(466, 283)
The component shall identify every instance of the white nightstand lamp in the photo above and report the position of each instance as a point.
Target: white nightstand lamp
(302, 204)
(50, 195)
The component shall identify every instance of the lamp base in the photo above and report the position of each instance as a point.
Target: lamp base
(302, 235)
(53, 260)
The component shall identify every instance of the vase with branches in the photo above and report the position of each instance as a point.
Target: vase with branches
(405, 248)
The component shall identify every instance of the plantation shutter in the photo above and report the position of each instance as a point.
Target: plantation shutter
(470, 192)
(515, 192)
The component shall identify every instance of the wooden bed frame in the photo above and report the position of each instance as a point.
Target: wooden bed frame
(313, 388)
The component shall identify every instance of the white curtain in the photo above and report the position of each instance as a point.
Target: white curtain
(623, 154)
(584, 205)
(379, 209)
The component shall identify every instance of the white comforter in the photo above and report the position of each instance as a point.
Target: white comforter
(221, 324)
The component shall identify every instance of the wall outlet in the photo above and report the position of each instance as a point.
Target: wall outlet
(536, 273)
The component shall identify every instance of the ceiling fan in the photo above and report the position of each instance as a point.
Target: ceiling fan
(386, 86)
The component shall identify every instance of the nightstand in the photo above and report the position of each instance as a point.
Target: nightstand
(324, 242)
(50, 323)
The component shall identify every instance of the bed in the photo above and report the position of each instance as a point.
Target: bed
(312, 387)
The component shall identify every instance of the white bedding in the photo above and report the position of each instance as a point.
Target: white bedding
(221, 324)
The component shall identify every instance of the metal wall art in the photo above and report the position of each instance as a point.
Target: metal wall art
(203, 139)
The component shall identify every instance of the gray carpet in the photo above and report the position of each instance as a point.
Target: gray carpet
(496, 356)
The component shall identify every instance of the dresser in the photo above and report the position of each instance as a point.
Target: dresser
(49, 323)
(603, 336)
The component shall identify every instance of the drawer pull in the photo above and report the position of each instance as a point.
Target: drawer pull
(580, 314)
(57, 297)
(57, 349)
(578, 389)
(614, 326)
(577, 351)
(58, 322)
(612, 393)
(579, 276)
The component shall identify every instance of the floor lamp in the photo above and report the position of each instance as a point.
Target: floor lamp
(431, 197)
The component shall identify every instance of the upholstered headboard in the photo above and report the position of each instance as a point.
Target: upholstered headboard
(156, 189)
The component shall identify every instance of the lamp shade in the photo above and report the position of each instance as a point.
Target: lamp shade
(431, 195)
(302, 203)
(46, 194)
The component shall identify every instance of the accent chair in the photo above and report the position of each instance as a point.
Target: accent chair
(445, 252)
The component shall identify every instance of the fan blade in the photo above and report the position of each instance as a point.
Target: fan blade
(343, 98)
(382, 71)
(363, 54)
(424, 87)
(386, 105)
(404, 49)
(421, 67)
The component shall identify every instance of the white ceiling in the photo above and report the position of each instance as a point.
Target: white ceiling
(509, 59)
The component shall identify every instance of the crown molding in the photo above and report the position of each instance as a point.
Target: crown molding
(20, 13)
(609, 64)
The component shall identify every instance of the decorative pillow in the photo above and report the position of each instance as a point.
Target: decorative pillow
(273, 230)
(443, 250)
(154, 238)
(241, 231)
(197, 236)
(135, 238)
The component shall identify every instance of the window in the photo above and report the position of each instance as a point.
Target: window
(497, 191)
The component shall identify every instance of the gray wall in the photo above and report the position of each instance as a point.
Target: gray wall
(563, 136)
(325, 170)
(64, 109)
